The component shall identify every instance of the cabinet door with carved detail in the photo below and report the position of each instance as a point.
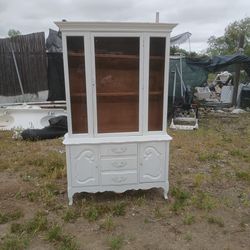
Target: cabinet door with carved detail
(152, 162)
(84, 167)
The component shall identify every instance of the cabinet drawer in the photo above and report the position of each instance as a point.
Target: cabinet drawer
(119, 164)
(118, 149)
(118, 178)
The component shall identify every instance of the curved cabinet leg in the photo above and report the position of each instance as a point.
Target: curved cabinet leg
(166, 188)
(70, 197)
(70, 201)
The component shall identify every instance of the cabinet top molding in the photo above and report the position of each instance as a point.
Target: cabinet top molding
(115, 26)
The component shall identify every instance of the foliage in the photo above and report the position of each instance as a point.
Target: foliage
(229, 42)
(13, 33)
(175, 50)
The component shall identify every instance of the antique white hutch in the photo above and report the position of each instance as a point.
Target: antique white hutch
(116, 77)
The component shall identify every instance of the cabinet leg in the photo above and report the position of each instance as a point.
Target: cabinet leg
(70, 201)
(165, 194)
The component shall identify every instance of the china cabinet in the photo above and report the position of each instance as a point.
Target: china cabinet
(116, 77)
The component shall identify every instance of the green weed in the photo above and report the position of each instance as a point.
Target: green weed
(119, 209)
(116, 242)
(10, 216)
(92, 214)
(108, 223)
(70, 215)
(210, 156)
(14, 242)
(241, 175)
(216, 220)
(181, 198)
(204, 201)
(37, 224)
(188, 219)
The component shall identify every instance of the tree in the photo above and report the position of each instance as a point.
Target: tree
(13, 33)
(228, 43)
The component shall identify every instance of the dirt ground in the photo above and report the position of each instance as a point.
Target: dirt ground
(208, 206)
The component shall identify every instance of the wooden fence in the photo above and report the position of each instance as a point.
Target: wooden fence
(24, 55)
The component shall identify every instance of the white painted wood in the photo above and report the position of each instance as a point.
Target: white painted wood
(89, 89)
(84, 165)
(98, 162)
(113, 164)
(66, 80)
(118, 149)
(119, 178)
(166, 77)
(121, 139)
(115, 26)
(145, 82)
(152, 160)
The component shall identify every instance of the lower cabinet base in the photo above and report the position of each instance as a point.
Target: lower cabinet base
(120, 189)
(117, 166)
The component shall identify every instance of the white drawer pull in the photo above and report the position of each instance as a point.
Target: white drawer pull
(119, 150)
(118, 164)
(119, 179)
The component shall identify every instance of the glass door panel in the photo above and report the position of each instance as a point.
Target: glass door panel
(77, 83)
(156, 83)
(117, 84)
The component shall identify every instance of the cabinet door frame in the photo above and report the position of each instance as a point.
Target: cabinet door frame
(146, 52)
(86, 36)
(141, 80)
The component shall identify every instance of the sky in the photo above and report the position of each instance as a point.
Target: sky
(202, 18)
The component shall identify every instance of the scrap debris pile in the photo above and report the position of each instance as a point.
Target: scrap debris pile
(219, 93)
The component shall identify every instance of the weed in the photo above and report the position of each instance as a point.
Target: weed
(119, 209)
(65, 242)
(188, 237)
(18, 195)
(239, 153)
(14, 242)
(216, 220)
(6, 217)
(244, 199)
(243, 225)
(33, 196)
(181, 198)
(116, 242)
(241, 175)
(68, 243)
(54, 234)
(108, 223)
(51, 166)
(70, 215)
(37, 224)
(17, 228)
(92, 214)
(188, 219)
(198, 179)
(140, 201)
(210, 156)
(204, 201)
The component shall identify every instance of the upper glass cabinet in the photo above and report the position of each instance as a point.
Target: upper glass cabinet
(77, 84)
(117, 84)
(156, 83)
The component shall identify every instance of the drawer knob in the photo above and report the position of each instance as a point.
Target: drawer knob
(119, 179)
(119, 150)
(118, 164)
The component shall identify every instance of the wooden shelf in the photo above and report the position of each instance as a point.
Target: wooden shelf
(114, 94)
(114, 56)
